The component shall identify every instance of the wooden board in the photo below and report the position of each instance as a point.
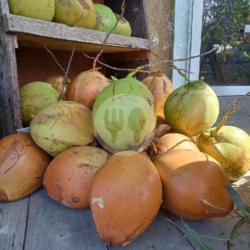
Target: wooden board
(9, 97)
(161, 28)
(33, 32)
(53, 226)
(13, 217)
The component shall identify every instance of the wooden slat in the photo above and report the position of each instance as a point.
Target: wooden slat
(38, 32)
(160, 32)
(53, 226)
(10, 118)
(13, 224)
(4, 7)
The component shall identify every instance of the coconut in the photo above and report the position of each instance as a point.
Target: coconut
(86, 86)
(192, 108)
(39, 9)
(36, 96)
(123, 115)
(230, 146)
(193, 185)
(174, 141)
(78, 13)
(161, 87)
(123, 26)
(105, 18)
(60, 83)
(125, 197)
(22, 166)
(69, 176)
(62, 126)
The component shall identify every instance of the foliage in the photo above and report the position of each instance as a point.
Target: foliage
(224, 22)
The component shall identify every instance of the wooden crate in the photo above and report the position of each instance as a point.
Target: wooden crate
(24, 58)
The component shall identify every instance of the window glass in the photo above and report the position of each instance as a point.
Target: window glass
(225, 25)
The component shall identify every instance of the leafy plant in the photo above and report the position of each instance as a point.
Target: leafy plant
(243, 212)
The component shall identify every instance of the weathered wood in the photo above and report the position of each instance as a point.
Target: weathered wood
(134, 13)
(53, 226)
(160, 25)
(4, 7)
(31, 31)
(10, 118)
(13, 217)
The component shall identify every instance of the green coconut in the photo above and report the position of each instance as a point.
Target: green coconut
(192, 108)
(39, 9)
(105, 18)
(230, 146)
(77, 13)
(123, 115)
(36, 96)
(123, 26)
(62, 126)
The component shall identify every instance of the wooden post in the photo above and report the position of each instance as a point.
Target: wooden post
(10, 117)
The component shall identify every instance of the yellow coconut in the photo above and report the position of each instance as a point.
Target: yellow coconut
(78, 13)
(39, 9)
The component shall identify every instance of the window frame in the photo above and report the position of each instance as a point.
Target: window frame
(187, 43)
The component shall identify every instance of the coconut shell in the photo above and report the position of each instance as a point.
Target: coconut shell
(69, 176)
(230, 147)
(22, 166)
(126, 196)
(86, 86)
(193, 185)
(77, 13)
(161, 87)
(174, 141)
(59, 82)
(62, 126)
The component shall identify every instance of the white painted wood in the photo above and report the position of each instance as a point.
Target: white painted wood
(187, 42)
(187, 38)
(231, 90)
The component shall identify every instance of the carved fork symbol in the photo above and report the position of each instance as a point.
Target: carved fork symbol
(113, 122)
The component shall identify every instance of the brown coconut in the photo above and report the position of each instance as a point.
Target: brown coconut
(126, 196)
(86, 86)
(161, 87)
(193, 185)
(173, 141)
(22, 166)
(59, 82)
(69, 176)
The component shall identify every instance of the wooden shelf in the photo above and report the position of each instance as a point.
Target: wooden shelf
(37, 33)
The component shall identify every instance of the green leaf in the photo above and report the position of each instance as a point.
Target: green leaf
(237, 200)
(194, 236)
(237, 226)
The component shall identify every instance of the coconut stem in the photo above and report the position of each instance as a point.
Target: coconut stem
(123, 7)
(182, 73)
(228, 114)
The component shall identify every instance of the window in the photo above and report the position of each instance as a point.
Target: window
(200, 26)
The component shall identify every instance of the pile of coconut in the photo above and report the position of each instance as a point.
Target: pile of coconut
(97, 142)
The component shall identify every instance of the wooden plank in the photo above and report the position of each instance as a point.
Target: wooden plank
(160, 26)
(53, 226)
(40, 32)
(13, 224)
(10, 118)
(4, 7)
